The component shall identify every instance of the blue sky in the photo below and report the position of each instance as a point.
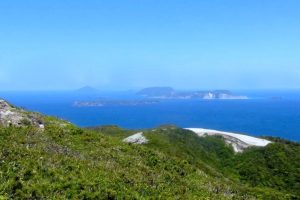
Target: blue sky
(124, 44)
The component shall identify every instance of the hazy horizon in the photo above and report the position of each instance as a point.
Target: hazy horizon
(136, 89)
(132, 44)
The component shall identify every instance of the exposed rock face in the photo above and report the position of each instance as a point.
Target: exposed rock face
(10, 115)
(238, 145)
(239, 142)
(137, 138)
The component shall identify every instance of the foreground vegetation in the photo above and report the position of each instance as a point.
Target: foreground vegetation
(66, 162)
(70, 163)
(272, 172)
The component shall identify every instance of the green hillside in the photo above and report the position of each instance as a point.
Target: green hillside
(62, 161)
(272, 172)
(70, 163)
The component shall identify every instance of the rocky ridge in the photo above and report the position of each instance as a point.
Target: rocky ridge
(13, 116)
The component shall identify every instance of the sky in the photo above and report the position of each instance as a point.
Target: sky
(128, 44)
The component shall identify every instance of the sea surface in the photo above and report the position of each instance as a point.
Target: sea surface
(266, 113)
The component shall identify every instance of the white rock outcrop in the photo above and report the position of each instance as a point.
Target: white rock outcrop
(239, 142)
(10, 115)
(137, 138)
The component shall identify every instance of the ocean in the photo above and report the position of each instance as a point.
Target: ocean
(266, 113)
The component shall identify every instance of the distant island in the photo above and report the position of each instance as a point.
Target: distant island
(153, 95)
(170, 93)
(101, 103)
(87, 89)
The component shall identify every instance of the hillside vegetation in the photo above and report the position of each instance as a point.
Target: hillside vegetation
(62, 161)
(71, 163)
(272, 172)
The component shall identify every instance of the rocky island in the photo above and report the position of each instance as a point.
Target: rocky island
(170, 93)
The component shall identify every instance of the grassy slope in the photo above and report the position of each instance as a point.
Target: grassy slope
(268, 173)
(65, 162)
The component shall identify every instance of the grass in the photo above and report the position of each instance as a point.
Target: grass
(67, 162)
(71, 163)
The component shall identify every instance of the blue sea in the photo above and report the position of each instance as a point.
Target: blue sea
(266, 113)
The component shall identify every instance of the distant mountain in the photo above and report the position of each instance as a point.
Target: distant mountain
(170, 93)
(87, 89)
(157, 91)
